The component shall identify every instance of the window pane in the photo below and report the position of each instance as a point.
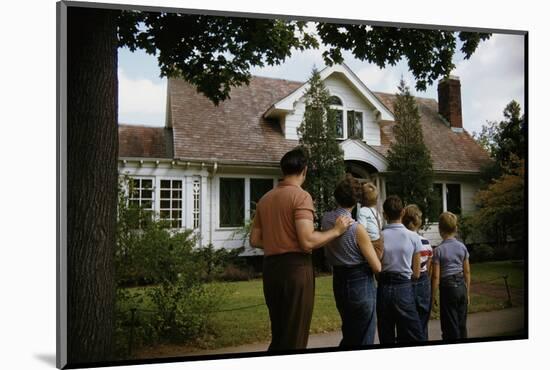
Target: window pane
(170, 199)
(334, 100)
(438, 202)
(196, 202)
(453, 199)
(147, 204)
(339, 124)
(231, 202)
(351, 124)
(359, 125)
(147, 183)
(355, 125)
(147, 194)
(134, 193)
(258, 187)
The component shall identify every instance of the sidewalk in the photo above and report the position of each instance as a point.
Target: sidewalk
(483, 324)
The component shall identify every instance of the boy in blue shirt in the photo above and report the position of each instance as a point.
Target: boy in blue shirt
(412, 219)
(395, 304)
(451, 272)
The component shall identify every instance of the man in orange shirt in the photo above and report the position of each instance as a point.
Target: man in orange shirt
(283, 227)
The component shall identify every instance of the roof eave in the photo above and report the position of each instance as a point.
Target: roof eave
(274, 112)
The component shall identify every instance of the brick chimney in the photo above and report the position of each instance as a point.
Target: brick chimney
(450, 106)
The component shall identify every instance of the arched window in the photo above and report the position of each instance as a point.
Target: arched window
(334, 100)
(338, 107)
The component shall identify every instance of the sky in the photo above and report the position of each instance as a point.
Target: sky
(490, 79)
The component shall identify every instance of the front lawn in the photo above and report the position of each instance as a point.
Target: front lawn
(244, 316)
(492, 272)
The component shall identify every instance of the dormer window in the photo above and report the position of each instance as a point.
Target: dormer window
(334, 100)
(338, 107)
(355, 125)
(354, 120)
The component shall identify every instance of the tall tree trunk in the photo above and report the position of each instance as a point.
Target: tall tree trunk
(92, 150)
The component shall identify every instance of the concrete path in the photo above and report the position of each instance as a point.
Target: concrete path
(483, 324)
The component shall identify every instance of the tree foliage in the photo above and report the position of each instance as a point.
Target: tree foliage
(501, 214)
(428, 52)
(500, 206)
(318, 139)
(504, 141)
(215, 53)
(409, 160)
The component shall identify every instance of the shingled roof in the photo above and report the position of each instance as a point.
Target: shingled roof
(233, 131)
(145, 142)
(451, 151)
(236, 130)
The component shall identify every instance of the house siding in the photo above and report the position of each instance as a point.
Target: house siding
(351, 100)
(294, 119)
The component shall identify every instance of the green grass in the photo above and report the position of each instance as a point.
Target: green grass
(245, 317)
(491, 272)
(251, 323)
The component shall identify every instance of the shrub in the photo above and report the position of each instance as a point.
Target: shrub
(216, 260)
(184, 310)
(482, 253)
(235, 272)
(179, 305)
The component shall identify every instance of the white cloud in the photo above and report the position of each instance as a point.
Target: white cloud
(141, 101)
(492, 77)
(387, 79)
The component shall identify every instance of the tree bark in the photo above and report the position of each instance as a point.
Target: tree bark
(92, 151)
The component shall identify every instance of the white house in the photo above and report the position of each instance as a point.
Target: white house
(209, 165)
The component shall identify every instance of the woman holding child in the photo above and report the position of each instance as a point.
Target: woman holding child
(354, 261)
(401, 304)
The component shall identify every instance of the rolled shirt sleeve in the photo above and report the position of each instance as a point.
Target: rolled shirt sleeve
(304, 209)
(417, 243)
(257, 222)
(435, 258)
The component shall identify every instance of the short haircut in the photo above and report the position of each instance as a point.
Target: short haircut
(293, 162)
(348, 192)
(370, 194)
(393, 207)
(448, 223)
(412, 217)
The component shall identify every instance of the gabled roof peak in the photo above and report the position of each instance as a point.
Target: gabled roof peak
(287, 103)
